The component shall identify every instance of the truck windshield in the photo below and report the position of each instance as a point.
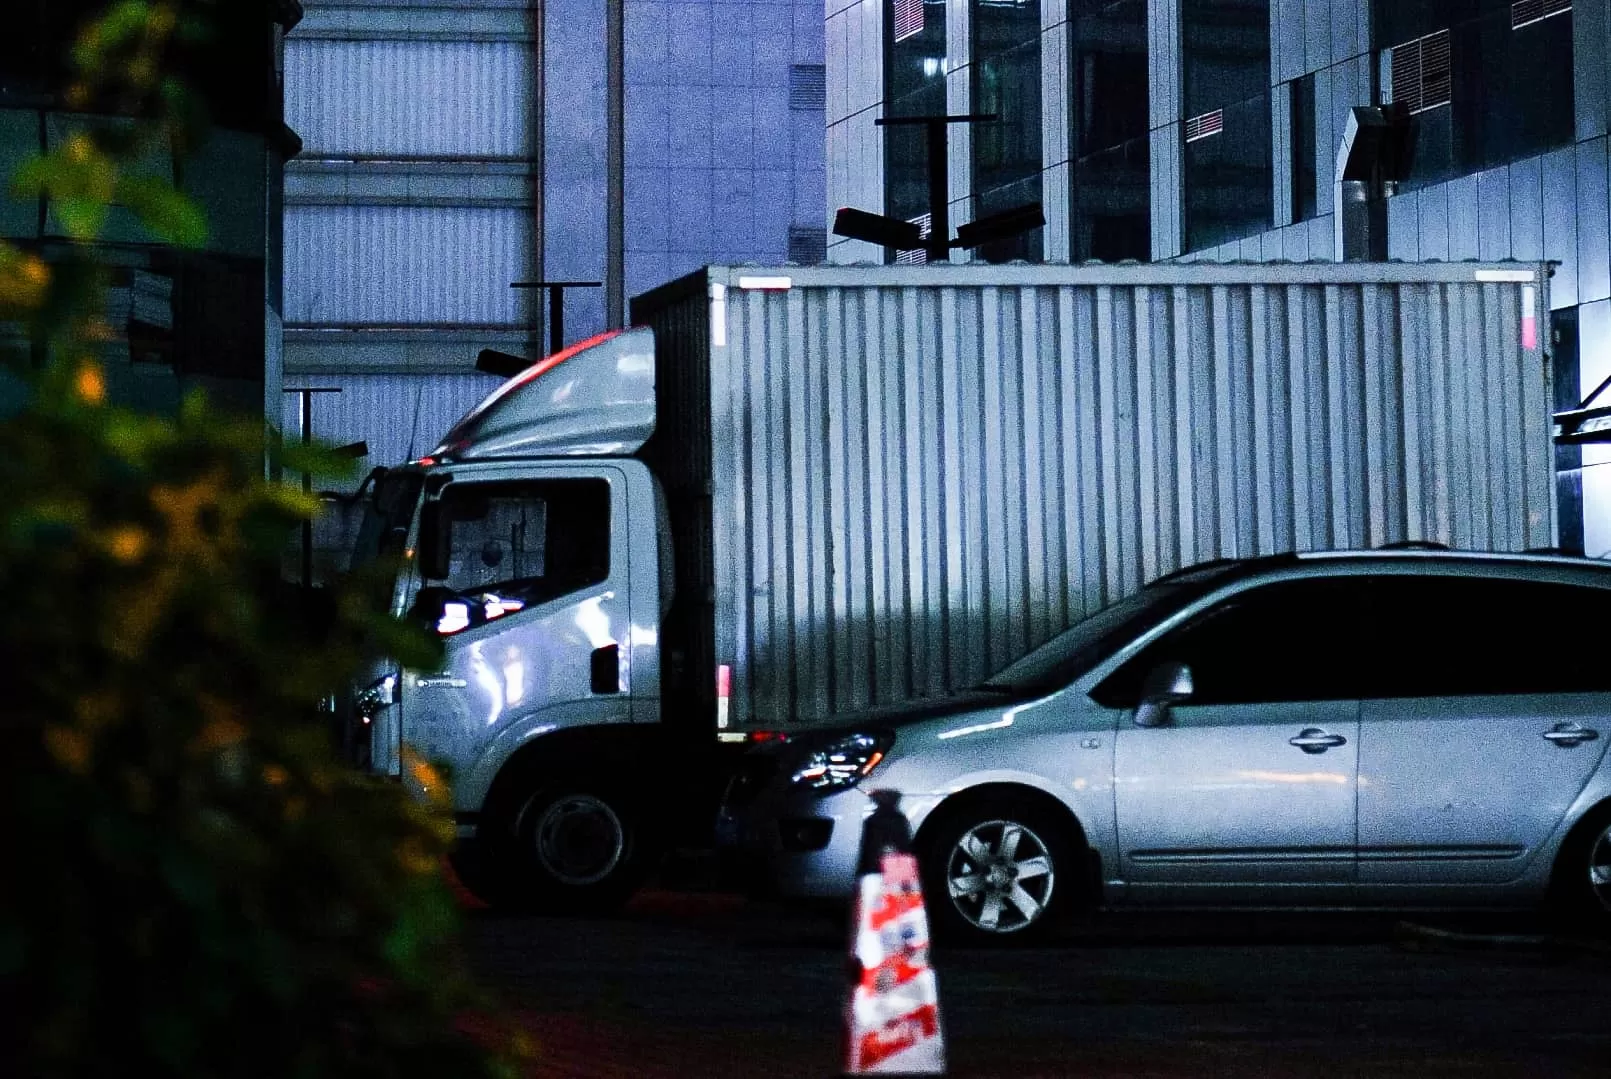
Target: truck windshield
(388, 511)
(1087, 643)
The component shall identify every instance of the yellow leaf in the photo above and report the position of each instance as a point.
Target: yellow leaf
(90, 384)
(127, 543)
(413, 857)
(274, 775)
(220, 733)
(70, 747)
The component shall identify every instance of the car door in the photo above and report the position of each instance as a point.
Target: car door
(1486, 723)
(1247, 790)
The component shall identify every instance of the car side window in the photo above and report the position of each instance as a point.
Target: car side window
(1451, 636)
(1288, 641)
(531, 541)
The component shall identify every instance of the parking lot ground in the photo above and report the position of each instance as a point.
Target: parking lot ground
(683, 984)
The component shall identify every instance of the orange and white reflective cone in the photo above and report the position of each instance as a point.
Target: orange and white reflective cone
(892, 1018)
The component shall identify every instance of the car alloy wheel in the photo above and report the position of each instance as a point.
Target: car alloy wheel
(1000, 876)
(579, 840)
(1599, 868)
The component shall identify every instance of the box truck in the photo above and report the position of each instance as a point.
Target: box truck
(789, 494)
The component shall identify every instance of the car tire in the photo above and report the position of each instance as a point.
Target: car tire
(997, 871)
(1581, 884)
(574, 847)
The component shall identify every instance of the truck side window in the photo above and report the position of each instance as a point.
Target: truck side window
(527, 540)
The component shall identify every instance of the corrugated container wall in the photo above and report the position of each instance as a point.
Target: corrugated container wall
(916, 475)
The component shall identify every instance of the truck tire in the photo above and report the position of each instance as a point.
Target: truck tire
(572, 847)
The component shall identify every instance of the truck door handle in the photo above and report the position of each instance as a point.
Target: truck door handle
(1315, 740)
(1570, 734)
(607, 669)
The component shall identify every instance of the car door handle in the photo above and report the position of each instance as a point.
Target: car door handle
(1570, 734)
(439, 681)
(1315, 740)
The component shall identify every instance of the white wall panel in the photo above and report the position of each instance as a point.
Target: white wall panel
(411, 265)
(435, 98)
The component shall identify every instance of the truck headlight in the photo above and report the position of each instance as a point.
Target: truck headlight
(376, 696)
(842, 763)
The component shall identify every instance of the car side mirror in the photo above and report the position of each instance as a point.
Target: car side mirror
(1166, 685)
(436, 542)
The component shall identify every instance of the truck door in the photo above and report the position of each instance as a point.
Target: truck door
(526, 578)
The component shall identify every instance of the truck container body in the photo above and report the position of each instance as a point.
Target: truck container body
(888, 482)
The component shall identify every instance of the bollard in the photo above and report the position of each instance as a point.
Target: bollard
(892, 1015)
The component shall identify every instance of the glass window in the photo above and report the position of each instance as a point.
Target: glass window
(1465, 636)
(1230, 190)
(387, 514)
(1305, 194)
(1510, 94)
(1226, 46)
(1109, 45)
(914, 81)
(1290, 641)
(1112, 202)
(527, 542)
(1111, 178)
(1028, 246)
(1006, 83)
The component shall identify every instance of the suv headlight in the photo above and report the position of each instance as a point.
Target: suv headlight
(841, 763)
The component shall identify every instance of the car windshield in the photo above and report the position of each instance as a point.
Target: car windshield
(1088, 642)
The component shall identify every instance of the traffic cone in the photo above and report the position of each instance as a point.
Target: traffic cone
(892, 1017)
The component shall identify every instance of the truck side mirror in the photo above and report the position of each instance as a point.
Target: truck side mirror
(436, 542)
(1166, 685)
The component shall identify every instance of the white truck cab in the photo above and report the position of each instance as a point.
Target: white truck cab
(537, 549)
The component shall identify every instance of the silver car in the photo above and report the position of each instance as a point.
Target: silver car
(1395, 729)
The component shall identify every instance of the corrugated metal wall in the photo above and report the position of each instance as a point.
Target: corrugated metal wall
(407, 264)
(915, 484)
(364, 97)
(400, 416)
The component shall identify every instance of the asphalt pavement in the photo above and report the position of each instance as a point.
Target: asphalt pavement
(709, 984)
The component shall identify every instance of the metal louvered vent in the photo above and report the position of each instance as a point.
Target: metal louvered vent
(807, 245)
(1420, 72)
(916, 257)
(1209, 123)
(1526, 12)
(908, 19)
(808, 86)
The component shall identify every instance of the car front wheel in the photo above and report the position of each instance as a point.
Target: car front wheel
(998, 871)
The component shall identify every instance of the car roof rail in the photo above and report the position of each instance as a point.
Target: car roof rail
(1414, 545)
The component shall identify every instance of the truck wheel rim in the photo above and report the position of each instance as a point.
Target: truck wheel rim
(1600, 868)
(1000, 876)
(579, 840)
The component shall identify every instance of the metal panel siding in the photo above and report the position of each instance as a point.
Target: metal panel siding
(440, 98)
(399, 416)
(406, 265)
(918, 474)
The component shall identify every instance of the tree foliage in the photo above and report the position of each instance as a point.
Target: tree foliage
(192, 882)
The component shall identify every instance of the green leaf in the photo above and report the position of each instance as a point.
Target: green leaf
(164, 210)
(82, 219)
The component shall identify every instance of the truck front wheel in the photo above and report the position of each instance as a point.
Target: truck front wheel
(576, 848)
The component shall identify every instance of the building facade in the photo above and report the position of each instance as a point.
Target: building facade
(1210, 129)
(180, 319)
(453, 150)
